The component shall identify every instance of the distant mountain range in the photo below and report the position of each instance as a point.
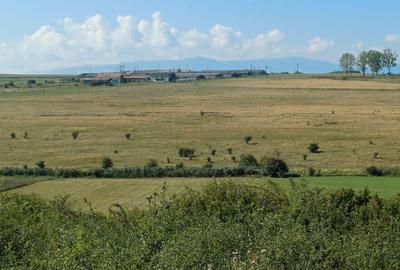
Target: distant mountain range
(200, 63)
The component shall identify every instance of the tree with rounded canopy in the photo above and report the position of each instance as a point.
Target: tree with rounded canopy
(362, 62)
(375, 61)
(389, 59)
(347, 62)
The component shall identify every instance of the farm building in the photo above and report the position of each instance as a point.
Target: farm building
(136, 78)
(104, 78)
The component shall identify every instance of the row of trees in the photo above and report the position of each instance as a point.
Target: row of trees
(374, 60)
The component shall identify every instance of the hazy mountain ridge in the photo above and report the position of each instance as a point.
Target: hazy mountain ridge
(201, 63)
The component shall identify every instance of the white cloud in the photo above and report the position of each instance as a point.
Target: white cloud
(94, 41)
(318, 45)
(392, 37)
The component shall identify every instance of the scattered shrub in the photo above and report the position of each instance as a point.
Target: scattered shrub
(229, 151)
(41, 164)
(305, 157)
(186, 152)
(248, 160)
(152, 163)
(376, 154)
(13, 135)
(180, 165)
(128, 136)
(201, 77)
(202, 113)
(374, 171)
(209, 159)
(107, 163)
(233, 158)
(75, 134)
(31, 83)
(273, 167)
(313, 147)
(247, 139)
(26, 135)
(213, 152)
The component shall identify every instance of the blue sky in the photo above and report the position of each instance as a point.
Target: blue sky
(37, 35)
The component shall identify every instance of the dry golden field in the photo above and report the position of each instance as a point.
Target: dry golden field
(349, 119)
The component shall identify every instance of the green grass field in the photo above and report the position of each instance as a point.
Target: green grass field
(130, 193)
(350, 119)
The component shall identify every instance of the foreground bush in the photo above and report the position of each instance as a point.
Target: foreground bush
(226, 226)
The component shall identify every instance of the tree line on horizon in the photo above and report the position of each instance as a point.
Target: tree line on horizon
(372, 59)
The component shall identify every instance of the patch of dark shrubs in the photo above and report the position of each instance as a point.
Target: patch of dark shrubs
(374, 171)
(186, 152)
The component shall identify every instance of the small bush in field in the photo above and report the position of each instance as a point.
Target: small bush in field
(209, 159)
(41, 164)
(202, 113)
(75, 134)
(305, 157)
(186, 152)
(26, 135)
(248, 161)
(374, 171)
(311, 171)
(247, 139)
(213, 152)
(107, 163)
(168, 160)
(230, 151)
(313, 147)
(152, 163)
(274, 167)
(128, 136)
(376, 154)
(13, 135)
(180, 165)
(233, 158)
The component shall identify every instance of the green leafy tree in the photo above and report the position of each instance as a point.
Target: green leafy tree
(107, 163)
(375, 61)
(274, 167)
(347, 62)
(389, 59)
(362, 62)
(248, 161)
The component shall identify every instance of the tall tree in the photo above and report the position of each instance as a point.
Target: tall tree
(362, 62)
(347, 62)
(389, 59)
(375, 61)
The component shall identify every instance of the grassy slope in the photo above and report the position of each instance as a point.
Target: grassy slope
(102, 193)
(282, 114)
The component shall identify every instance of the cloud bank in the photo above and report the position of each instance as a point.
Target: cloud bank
(93, 41)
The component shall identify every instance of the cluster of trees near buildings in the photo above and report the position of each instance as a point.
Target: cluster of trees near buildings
(372, 59)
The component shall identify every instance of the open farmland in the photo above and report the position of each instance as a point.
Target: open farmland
(131, 193)
(350, 120)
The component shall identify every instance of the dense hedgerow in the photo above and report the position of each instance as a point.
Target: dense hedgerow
(151, 169)
(226, 226)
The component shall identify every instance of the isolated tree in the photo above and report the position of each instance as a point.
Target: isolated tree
(347, 62)
(107, 163)
(172, 77)
(389, 59)
(362, 62)
(375, 61)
